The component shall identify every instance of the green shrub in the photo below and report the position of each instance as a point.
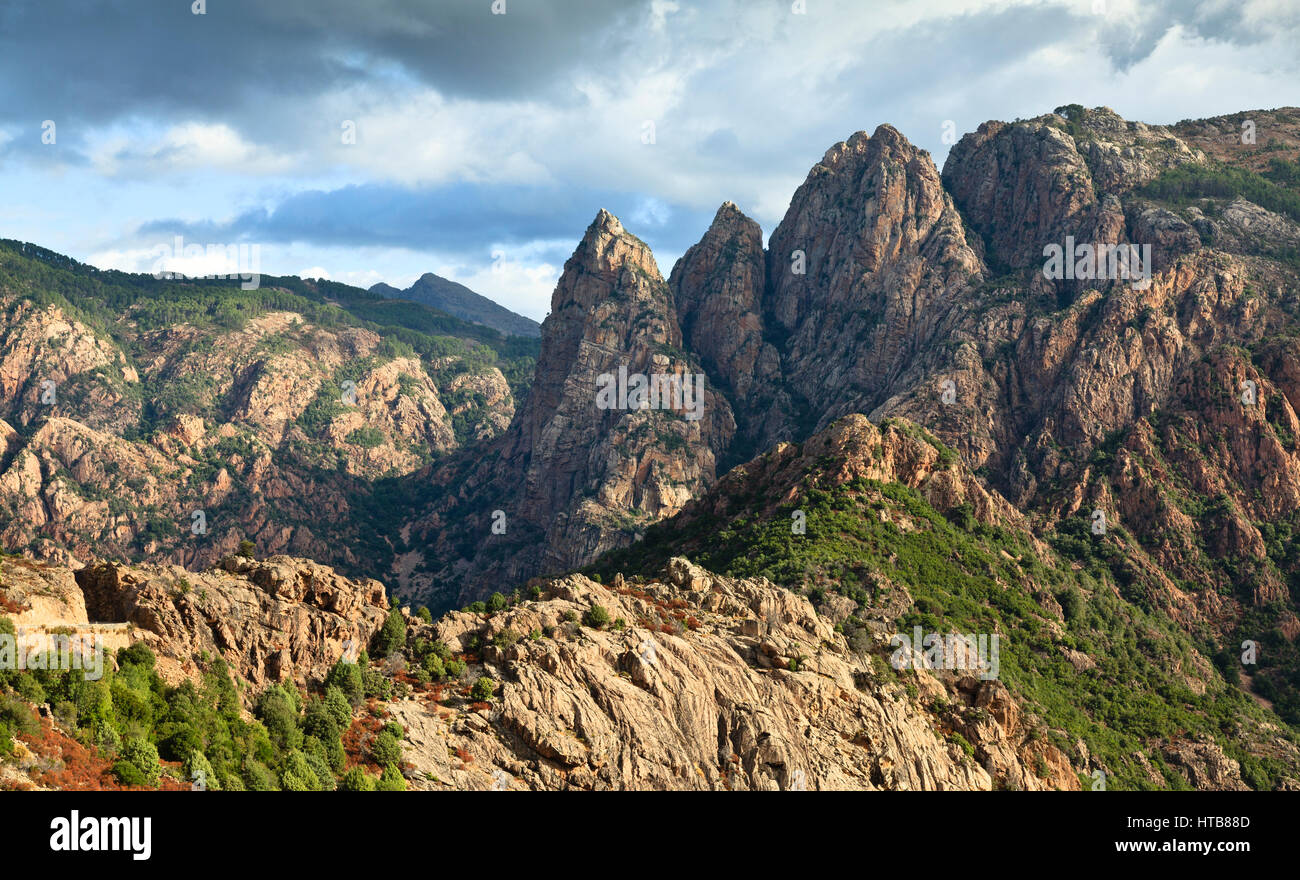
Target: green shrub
(392, 636)
(357, 779)
(482, 690)
(198, 771)
(143, 755)
(596, 617)
(278, 710)
(129, 774)
(348, 679)
(336, 704)
(386, 748)
(391, 780)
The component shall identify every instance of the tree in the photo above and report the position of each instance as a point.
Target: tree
(482, 690)
(338, 707)
(198, 770)
(357, 779)
(298, 774)
(137, 654)
(386, 748)
(391, 780)
(347, 678)
(424, 614)
(278, 711)
(143, 755)
(247, 548)
(392, 636)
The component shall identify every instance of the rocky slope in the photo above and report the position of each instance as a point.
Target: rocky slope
(135, 434)
(282, 619)
(886, 531)
(714, 683)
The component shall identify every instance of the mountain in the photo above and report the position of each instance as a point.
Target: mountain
(1049, 392)
(458, 300)
(570, 479)
(168, 421)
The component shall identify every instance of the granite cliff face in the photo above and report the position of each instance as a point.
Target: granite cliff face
(863, 270)
(577, 474)
(282, 619)
(719, 288)
(754, 691)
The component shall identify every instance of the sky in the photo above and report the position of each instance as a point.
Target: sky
(376, 140)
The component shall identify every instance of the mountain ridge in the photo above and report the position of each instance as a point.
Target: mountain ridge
(456, 299)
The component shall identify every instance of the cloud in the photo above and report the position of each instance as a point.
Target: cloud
(474, 221)
(444, 132)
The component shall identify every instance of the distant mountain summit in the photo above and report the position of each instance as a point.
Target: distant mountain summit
(458, 300)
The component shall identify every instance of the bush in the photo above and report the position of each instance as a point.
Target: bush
(137, 654)
(386, 748)
(391, 780)
(348, 679)
(129, 774)
(15, 715)
(29, 688)
(596, 617)
(143, 755)
(324, 775)
(357, 779)
(278, 710)
(482, 690)
(258, 777)
(298, 774)
(424, 614)
(198, 771)
(497, 602)
(392, 636)
(336, 704)
(247, 548)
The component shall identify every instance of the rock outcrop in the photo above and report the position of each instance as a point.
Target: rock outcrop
(276, 620)
(713, 683)
(582, 468)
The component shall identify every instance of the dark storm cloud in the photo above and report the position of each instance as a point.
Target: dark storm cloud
(101, 60)
(1128, 41)
(458, 218)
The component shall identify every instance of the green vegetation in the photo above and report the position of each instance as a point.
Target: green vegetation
(197, 735)
(596, 617)
(1187, 184)
(966, 576)
(483, 689)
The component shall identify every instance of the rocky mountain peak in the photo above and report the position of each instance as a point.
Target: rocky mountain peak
(868, 259)
(718, 289)
(584, 467)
